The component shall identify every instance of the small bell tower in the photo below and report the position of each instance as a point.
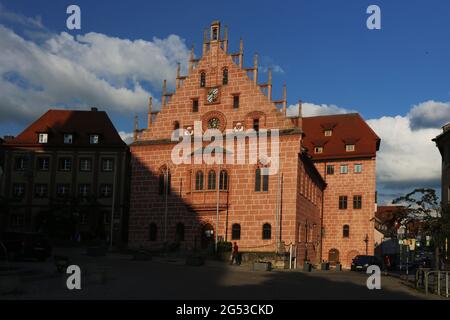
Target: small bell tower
(214, 34)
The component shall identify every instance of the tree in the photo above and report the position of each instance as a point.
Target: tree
(422, 205)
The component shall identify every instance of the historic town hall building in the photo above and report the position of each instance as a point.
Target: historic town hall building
(322, 198)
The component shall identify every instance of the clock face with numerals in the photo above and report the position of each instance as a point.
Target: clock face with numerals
(214, 123)
(213, 95)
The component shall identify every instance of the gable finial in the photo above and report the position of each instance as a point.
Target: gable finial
(191, 59)
(241, 52)
(178, 75)
(164, 91)
(150, 106)
(300, 108)
(225, 39)
(269, 85)
(284, 99)
(255, 68)
(205, 41)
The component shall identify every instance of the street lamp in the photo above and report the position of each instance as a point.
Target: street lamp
(366, 240)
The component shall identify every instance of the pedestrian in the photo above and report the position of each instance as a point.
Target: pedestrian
(234, 254)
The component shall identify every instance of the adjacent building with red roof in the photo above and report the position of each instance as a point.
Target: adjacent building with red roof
(63, 174)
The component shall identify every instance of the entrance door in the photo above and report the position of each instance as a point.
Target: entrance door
(207, 237)
(333, 256)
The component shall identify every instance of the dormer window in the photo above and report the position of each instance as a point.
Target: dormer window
(318, 149)
(68, 137)
(328, 133)
(349, 147)
(93, 139)
(43, 137)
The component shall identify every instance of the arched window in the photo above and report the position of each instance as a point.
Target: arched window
(199, 180)
(264, 186)
(225, 76)
(162, 183)
(203, 79)
(236, 231)
(267, 231)
(179, 235)
(346, 231)
(256, 125)
(211, 180)
(223, 181)
(152, 232)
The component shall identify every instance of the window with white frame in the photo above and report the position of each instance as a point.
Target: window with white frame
(344, 168)
(85, 164)
(349, 147)
(358, 168)
(106, 190)
(65, 164)
(84, 190)
(43, 163)
(41, 190)
(18, 190)
(93, 139)
(328, 133)
(62, 190)
(318, 149)
(108, 164)
(43, 137)
(68, 138)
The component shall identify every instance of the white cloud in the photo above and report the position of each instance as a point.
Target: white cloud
(406, 156)
(7, 15)
(89, 70)
(429, 114)
(311, 109)
(127, 137)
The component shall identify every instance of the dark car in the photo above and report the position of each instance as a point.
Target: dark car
(24, 245)
(363, 262)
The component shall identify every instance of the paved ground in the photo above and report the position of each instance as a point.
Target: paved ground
(165, 278)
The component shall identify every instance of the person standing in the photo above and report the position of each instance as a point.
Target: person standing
(234, 254)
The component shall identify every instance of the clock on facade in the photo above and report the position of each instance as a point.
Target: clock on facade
(213, 95)
(213, 123)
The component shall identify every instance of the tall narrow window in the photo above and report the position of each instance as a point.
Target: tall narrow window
(195, 105)
(152, 232)
(43, 137)
(358, 168)
(342, 202)
(267, 231)
(256, 125)
(258, 179)
(225, 76)
(223, 181)
(179, 235)
(344, 168)
(161, 184)
(211, 180)
(203, 79)
(357, 202)
(236, 231)
(199, 180)
(236, 101)
(346, 231)
(265, 186)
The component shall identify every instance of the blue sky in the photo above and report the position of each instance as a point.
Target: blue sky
(323, 51)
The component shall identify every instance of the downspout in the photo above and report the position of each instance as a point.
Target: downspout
(321, 213)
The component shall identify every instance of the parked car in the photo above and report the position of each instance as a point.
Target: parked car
(361, 263)
(25, 245)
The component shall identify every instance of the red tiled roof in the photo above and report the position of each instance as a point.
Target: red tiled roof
(385, 213)
(79, 123)
(346, 129)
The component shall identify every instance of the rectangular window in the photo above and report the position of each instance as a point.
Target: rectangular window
(84, 190)
(195, 105)
(41, 190)
(357, 202)
(65, 164)
(344, 169)
(107, 164)
(106, 190)
(358, 168)
(68, 138)
(236, 101)
(84, 218)
(43, 137)
(43, 164)
(349, 147)
(318, 149)
(261, 181)
(85, 164)
(62, 190)
(93, 139)
(21, 163)
(17, 220)
(342, 202)
(330, 169)
(18, 190)
(328, 133)
(265, 186)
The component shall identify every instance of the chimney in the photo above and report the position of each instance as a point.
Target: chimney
(94, 109)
